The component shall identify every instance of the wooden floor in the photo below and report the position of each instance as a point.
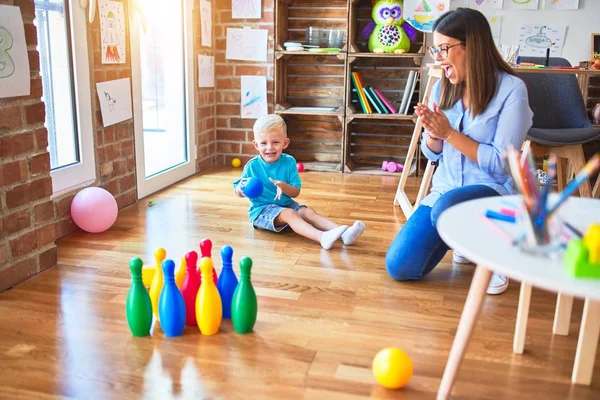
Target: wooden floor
(323, 315)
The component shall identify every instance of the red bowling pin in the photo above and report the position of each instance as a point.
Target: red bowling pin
(205, 251)
(190, 287)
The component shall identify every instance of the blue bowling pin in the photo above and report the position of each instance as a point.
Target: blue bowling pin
(171, 307)
(227, 280)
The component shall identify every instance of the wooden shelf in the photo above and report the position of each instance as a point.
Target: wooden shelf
(386, 55)
(322, 166)
(395, 117)
(280, 53)
(372, 170)
(288, 111)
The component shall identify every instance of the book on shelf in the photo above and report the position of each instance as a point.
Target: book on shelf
(385, 101)
(372, 100)
(361, 96)
(377, 100)
(409, 90)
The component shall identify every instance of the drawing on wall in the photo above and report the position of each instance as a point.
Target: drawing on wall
(535, 39)
(206, 22)
(483, 5)
(112, 31)
(245, 9)
(495, 22)
(14, 62)
(253, 96)
(561, 4)
(206, 71)
(454, 4)
(522, 4)
(421, 14)
(246, 44)
(115, 100)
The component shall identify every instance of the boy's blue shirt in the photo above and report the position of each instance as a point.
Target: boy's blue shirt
(284, 169)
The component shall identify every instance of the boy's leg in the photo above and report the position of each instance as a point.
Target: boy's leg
(316, 220)
(300, 226)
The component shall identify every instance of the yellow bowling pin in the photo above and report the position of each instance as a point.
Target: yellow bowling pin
(148, 274)
(591, 239)
(209, 309)
(157, 283)
(180, 275)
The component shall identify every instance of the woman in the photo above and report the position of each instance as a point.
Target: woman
(476, 112)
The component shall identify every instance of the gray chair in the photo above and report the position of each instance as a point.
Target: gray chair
(560, 122)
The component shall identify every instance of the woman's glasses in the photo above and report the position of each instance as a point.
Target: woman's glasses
(442, 50)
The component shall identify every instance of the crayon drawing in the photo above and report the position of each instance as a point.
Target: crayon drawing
(115, 100)
(206, 22)
(14, 62)
(253, 96)
(522, 4)
(246, 9)
(561, 4)
(112, 31)
(535, 39)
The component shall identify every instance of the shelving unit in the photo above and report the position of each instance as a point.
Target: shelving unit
(341, 138)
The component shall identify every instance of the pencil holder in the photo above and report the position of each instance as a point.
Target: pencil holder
(548, 241)
(577, 261)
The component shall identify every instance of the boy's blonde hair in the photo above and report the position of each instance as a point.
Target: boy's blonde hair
(268, 123)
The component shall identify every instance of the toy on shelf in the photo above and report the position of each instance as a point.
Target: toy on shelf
(388, 32)
(392, 166)
(582, 257)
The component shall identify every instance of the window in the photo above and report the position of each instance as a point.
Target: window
(64, 68)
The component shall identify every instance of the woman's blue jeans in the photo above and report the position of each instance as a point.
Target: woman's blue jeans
(418, 248)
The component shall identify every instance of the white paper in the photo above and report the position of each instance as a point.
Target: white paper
(535, 39)
(206, 22)
(522, 4)
(206, 71)
(454, 4)
(421, 14)
(14, 63)
(246, 44)
(495, 22)
(254, 96)
(115, 100)
(483, 5)
(245, 9)
(561, 4)
(112, 31)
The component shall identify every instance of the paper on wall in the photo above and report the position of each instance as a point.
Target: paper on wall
(112, 31)
(483, 5)
(246, 44)
(454, 4)
(14, 62)
(206, 71)
(206, 22)
(253, 96)
(495, 22)
(115, 100)
(246, 9)
(561, 4)
(422, 14)
(522, 4)
(534, 39)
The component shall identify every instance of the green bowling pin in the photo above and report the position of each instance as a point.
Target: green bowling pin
(244, 306)
(138, 307)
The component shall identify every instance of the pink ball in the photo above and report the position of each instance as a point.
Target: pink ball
(300, 166)
(94, 209)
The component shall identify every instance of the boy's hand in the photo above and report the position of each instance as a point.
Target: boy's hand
(240, 186)
(279, 189)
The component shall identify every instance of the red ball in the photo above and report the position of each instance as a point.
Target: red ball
(300, 166)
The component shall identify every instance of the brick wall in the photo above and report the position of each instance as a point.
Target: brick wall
(234, 135)
(27, 228)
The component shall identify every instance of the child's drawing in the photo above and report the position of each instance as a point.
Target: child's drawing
(115, 100)
(522, 4)
(535, 39)
(561, 4)
(206, 71)
(254, 96)
(246, 9)
(206, 22)
(483, 5)
(112, 31)
(246, 44)
(422, 13)
(14, 63)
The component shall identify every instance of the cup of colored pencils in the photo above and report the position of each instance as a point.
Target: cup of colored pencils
(538, 211)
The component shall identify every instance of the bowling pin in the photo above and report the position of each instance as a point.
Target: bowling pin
(209, 310)
(205, 251)
(148, 274)
(244, 306)
(592, 242)
(180, 275)
(227, 280)
(138, 307)
(190, 287)
(157, 282)
(171, 307)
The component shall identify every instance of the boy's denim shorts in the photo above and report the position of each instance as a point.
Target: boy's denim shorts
(266, 219)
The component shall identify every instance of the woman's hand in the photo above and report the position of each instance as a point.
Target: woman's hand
(435, 122)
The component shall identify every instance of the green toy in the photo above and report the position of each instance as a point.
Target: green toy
(244, 306)
(389, 33)
(138, 308)
(582, 256)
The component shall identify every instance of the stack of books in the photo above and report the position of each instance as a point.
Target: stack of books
(372, 100)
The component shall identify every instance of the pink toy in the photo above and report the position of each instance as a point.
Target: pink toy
(94, 209)
(392, 166)
(300, 166)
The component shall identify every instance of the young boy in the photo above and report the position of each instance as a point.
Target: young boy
(274, 209)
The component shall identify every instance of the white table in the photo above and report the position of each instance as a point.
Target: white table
(465, 229)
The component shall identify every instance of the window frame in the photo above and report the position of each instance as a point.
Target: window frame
(83, 172)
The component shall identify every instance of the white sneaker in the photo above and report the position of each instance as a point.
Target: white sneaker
(498, 284)
(459, 258)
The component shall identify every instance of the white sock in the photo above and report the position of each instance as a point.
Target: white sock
(329, 237)
(353, 233)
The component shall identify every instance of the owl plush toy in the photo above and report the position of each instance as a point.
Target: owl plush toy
(389, 33)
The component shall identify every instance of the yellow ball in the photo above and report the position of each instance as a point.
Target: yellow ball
(236, 163)
(392, 368)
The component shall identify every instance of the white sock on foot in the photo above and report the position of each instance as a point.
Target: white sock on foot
(353, 233)
(329, 237)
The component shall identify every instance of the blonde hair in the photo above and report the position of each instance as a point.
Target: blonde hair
(268, 123)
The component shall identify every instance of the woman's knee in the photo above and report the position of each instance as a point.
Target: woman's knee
(398, 268)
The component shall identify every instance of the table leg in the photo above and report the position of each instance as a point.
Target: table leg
(479, 284)
(562, 316)
(522, 316)
(587, 344)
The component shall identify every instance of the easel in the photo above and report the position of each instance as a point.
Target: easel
(401, 199)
